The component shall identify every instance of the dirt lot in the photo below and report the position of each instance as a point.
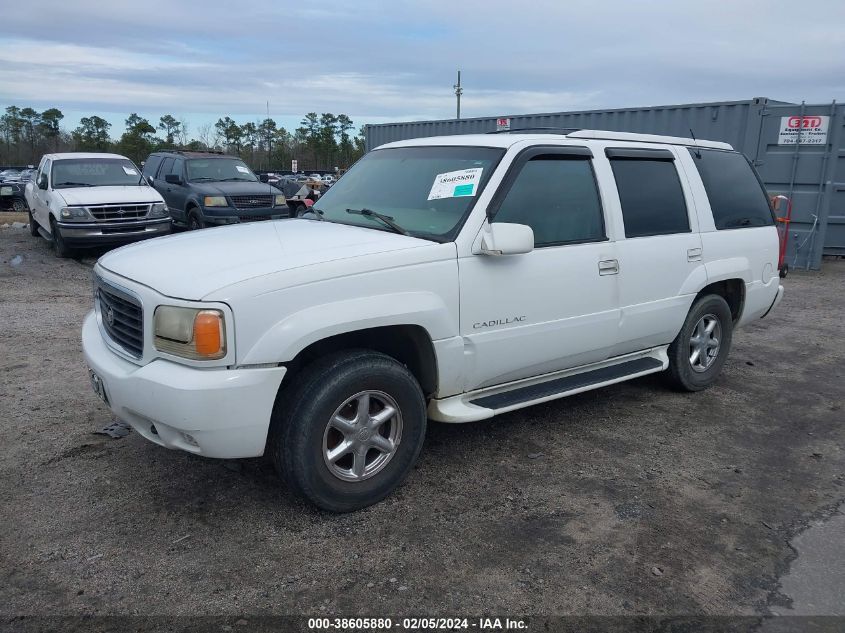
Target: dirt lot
(629, 500)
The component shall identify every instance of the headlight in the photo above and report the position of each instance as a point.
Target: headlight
(191, 333)
(75, 214)
(158, 210)
(215, 201)
(280, 201)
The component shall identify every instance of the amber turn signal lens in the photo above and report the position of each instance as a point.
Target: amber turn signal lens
(208, 333)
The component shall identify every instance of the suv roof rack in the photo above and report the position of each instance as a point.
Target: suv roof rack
(216, 152)
(607, 135)
(548, 130)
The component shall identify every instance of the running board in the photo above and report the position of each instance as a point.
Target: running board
(45, 234)
(485, 403)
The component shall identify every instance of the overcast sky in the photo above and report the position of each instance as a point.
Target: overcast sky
(384, 61)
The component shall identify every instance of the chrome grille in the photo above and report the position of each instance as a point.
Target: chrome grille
(119, 212)
(122, 317)
(252, 202)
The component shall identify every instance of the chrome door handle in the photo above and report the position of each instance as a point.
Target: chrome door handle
(693, 254)
(608, 267)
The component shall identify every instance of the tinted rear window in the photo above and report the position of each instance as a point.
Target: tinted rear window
(736, 196)
(651, 196)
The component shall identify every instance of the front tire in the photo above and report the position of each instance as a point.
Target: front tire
(19, 205)
(33, 226)
(195, 222)
(348, 430)
(62, 249)
(697, 354)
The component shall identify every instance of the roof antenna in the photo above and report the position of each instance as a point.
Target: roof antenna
(695, 142)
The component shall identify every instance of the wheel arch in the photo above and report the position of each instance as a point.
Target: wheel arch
(409, 344)
(731, 290)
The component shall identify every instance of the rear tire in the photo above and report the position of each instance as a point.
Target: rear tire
(697, 354)
(61, 248)
(327, 439)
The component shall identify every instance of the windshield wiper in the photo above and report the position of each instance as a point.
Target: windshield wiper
(231, 179)
(367, 213)
(74, 184)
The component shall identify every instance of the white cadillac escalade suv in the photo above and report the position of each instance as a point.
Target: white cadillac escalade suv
(449, 278)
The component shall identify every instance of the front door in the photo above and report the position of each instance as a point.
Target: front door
(41, 197)
(555, 307)
(176, 195)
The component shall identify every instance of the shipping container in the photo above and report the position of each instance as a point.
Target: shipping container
(799, 150)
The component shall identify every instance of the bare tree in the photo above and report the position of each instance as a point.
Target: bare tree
(182, 134)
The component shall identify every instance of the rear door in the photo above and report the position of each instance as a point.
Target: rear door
(660, 255)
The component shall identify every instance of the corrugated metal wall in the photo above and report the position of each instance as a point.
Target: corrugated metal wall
(816, 182)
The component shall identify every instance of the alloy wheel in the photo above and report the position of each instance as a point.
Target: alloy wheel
(362, 436)
(705, 343)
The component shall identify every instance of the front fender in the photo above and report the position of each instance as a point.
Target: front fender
(290, 335)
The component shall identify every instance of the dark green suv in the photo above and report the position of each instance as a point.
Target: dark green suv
(208, 189)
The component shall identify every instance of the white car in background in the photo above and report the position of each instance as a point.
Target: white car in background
(89, 199)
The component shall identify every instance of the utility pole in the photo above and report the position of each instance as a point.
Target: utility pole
(458, 92)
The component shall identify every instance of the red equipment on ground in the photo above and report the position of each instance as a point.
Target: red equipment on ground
(783, 229)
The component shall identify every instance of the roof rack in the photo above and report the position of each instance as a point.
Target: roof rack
(607, 135)
(548, 130)
(193, 151)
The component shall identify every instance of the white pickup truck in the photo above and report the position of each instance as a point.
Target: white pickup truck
(449, 278)
(86, 199)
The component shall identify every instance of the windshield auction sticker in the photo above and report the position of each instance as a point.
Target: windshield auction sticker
(456, 184)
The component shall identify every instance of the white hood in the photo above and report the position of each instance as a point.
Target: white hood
(84, 196)
(192, 265)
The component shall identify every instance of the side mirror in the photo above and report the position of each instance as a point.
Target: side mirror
(149, 180)
(173, 179)
(502, 238)
(42, 181)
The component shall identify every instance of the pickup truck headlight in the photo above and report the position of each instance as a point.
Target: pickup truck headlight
(280, 201)
(192, 333)
(158, 210)
(75, 214)
(215, 201)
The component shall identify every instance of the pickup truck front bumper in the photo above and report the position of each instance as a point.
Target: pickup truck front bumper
(216, 412)
(111, 233)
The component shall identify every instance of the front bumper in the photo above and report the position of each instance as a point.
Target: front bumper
(217, 412)
(221, 216)
(109, 233)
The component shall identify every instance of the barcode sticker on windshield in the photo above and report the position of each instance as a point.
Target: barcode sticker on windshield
(456, 184)
(129, 171)
(242, 169)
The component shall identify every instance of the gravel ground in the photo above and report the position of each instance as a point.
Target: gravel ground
(628, 500)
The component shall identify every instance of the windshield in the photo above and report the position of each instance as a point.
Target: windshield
(219, 169)
(94, 172)
(428, 191)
